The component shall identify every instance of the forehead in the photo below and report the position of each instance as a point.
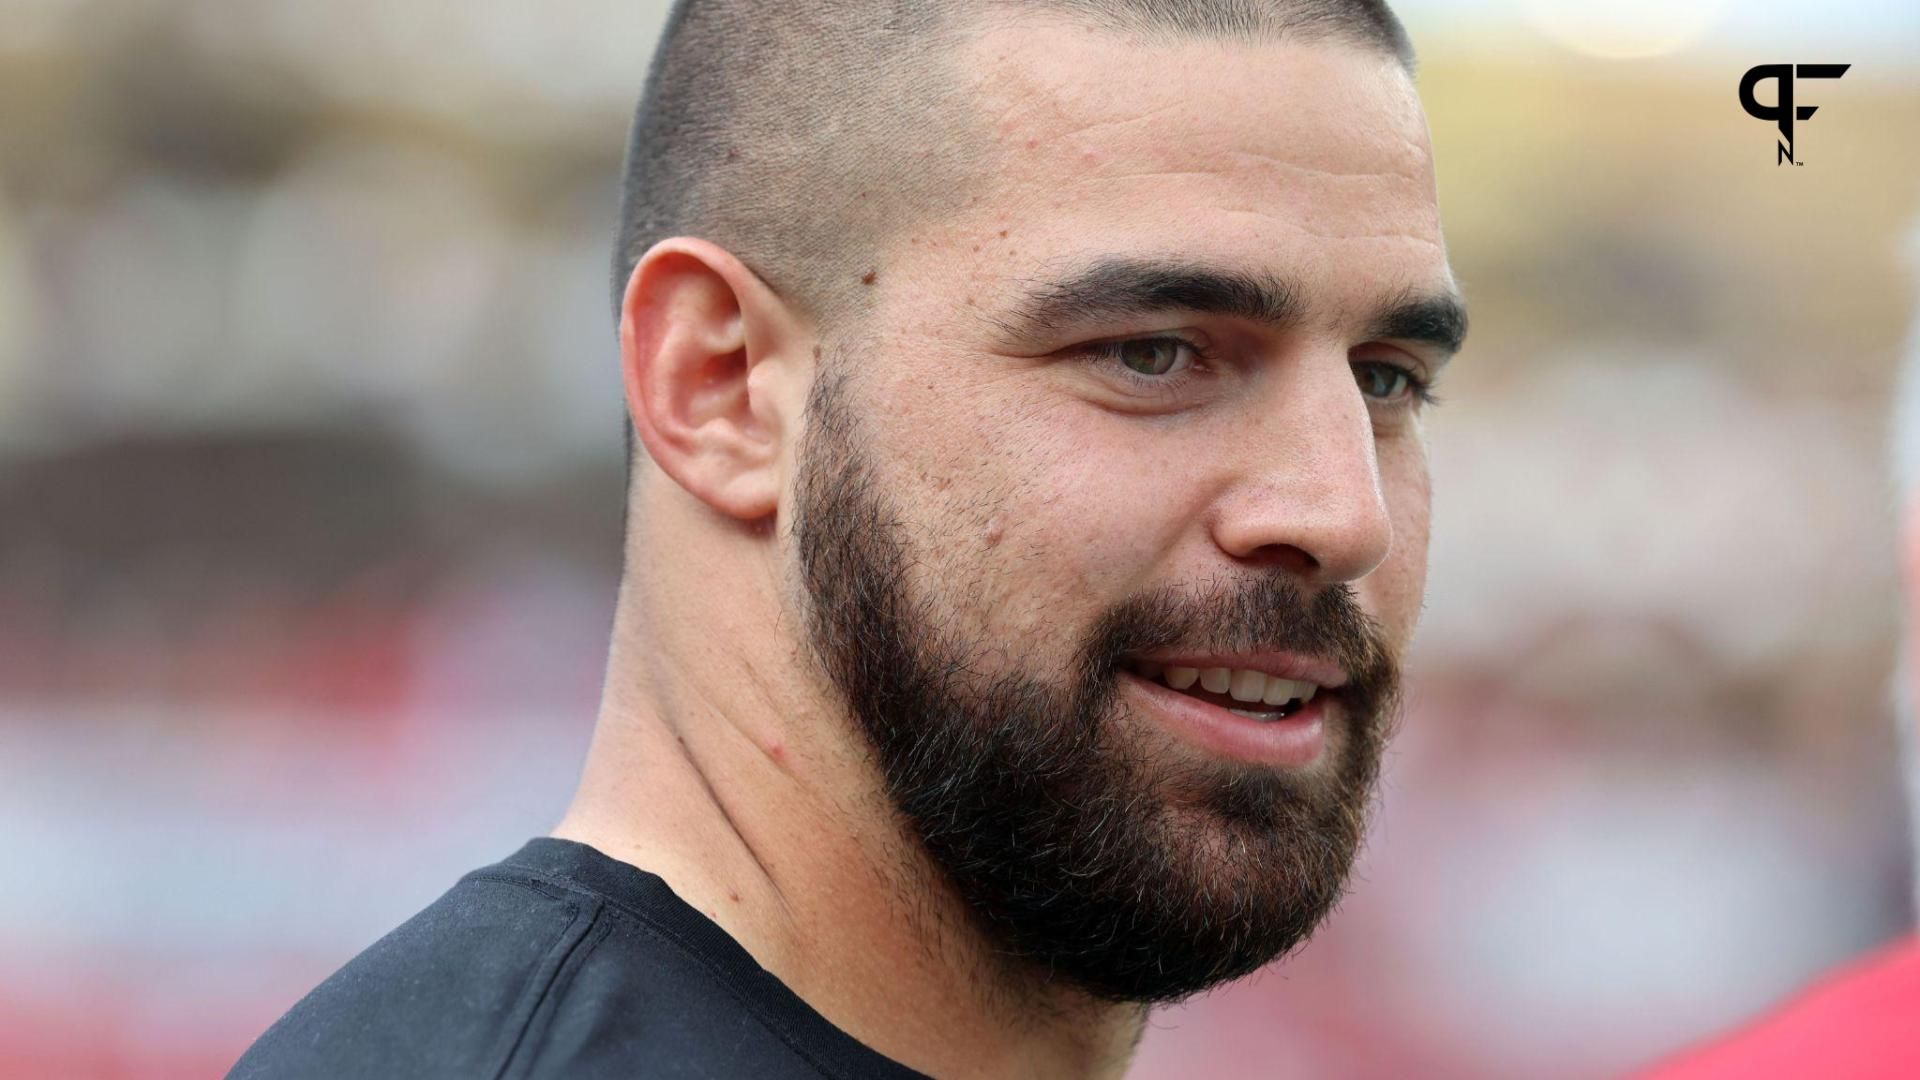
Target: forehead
(1308, 161)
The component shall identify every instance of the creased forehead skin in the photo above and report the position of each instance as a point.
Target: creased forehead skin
(1175, 118)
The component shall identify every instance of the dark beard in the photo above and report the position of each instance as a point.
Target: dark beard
(1081, 857)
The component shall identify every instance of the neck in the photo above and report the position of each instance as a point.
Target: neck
(713, 779)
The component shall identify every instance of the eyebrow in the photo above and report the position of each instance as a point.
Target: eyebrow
(1437, 320)
(1119, 288)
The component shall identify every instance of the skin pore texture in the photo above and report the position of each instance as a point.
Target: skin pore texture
(1000, 498)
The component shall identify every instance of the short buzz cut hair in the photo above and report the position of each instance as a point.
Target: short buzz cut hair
(801, 135)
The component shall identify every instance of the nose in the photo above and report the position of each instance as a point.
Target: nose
(1308, 495)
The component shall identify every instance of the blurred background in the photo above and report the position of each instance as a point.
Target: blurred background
(310, 488)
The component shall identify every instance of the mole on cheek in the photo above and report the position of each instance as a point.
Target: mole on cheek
(996, 529)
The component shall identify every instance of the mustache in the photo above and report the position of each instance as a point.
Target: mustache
(1241, 615)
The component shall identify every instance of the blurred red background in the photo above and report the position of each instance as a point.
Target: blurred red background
(310, 487)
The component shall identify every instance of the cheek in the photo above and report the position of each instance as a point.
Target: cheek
(1029, 516)
(1394, 591)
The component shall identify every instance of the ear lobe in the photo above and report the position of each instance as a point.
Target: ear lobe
(695, 324)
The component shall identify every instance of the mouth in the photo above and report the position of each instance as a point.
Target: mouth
(1240, 713)
(1256, 695)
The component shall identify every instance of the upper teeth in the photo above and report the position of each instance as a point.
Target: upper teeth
(1241, 684)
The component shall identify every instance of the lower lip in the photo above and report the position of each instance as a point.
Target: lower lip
(1289, 742)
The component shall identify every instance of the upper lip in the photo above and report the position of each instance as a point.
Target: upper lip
(1300, 667)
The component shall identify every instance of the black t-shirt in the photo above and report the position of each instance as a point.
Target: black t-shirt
(557, 962)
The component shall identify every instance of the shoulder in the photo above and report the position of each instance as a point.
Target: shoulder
(557, 962)
(1856, 1024)
(450, 992)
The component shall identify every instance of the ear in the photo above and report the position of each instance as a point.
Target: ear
(709, 355)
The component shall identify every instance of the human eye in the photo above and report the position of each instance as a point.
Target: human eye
(1149, 361)
(1392, 384)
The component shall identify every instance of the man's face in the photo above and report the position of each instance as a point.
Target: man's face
(1151, 402)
